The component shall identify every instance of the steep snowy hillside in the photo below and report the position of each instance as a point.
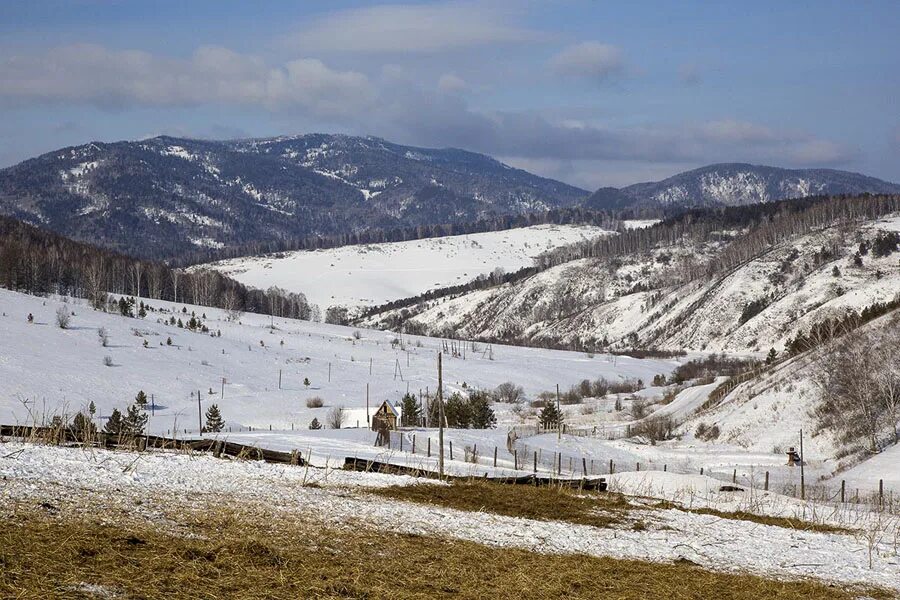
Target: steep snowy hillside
(161, 197)
(378, 273)
(670, 297)
(46, 371)
(732, 184)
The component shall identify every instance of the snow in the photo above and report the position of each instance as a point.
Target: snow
(377, 273)
(100, 480)
(883, 466)
(45, 370)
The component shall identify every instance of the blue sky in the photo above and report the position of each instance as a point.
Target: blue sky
(593, 93)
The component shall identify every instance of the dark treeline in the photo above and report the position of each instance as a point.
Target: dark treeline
(759, 226)
(561, 216)
(38, 262)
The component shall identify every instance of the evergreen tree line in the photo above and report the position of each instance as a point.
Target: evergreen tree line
(556, 216)
(39, 262)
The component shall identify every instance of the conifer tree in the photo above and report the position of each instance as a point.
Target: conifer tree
(114, 423)
(141, 399)
(480, 411)
(314, 424)
(135, 421)
(410, 413)
(550, 416)
(214, 421)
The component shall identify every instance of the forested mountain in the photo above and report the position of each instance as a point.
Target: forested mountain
(736, 279)
(734, 184)
(162, 197)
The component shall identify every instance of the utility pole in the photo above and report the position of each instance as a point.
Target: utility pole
(558, 417)
(802, 474)
(440, 400)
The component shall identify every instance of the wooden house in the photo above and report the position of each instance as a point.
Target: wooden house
(386, 417)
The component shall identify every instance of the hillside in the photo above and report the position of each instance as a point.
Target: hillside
(377, 273)
(739, 289)
(164, 196)
(735, 184)
(57, 371)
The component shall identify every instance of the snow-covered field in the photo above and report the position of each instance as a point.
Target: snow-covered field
(118, 483)
(372, 274)
(46, 371)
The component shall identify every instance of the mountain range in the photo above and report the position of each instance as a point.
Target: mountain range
(735, 184)
(163, 197)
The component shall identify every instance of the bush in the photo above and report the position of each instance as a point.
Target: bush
(638, 407)
(706, 433)
(655, 428)
(63, 317)
(628, 386)
(336, 417)
(509, 392)
(108, 361)
(315, 402)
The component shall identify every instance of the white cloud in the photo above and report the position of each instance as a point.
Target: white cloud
(591, 60)
(93, 74)
(452, 84)
(411, 28)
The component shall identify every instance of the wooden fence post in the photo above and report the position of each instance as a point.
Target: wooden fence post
(535, 461)
(414, 444)
(451, 449)
(495, 456)
(766, 488)
(734, 476)
(516, 459)
(843, 486)
(611, 466)
(584, 466)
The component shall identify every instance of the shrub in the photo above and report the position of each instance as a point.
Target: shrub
(63, 317)
(509, 392)
(336, 417)
(707, 433)
(638, 407)
(655, 428)
(315, 402)
(108, 361)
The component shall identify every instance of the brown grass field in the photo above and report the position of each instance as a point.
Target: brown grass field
(244, 552)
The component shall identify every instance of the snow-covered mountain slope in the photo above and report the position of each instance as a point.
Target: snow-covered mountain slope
(164, 196)
(46, 371)
(649, 300)
(733, 184)
(766, 413)
(378, 273)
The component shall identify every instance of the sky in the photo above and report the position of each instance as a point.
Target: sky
(592, 93)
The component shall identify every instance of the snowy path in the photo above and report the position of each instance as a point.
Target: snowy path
(40, 473)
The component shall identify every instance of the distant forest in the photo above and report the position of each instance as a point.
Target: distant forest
(560, 216)
(38, 262)
(761, 225)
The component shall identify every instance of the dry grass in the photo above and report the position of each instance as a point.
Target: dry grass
(544, 503)
(786, 522)
(224, 555)
(565, 504)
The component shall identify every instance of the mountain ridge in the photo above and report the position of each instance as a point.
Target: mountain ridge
(734, 184)
(165, 195)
